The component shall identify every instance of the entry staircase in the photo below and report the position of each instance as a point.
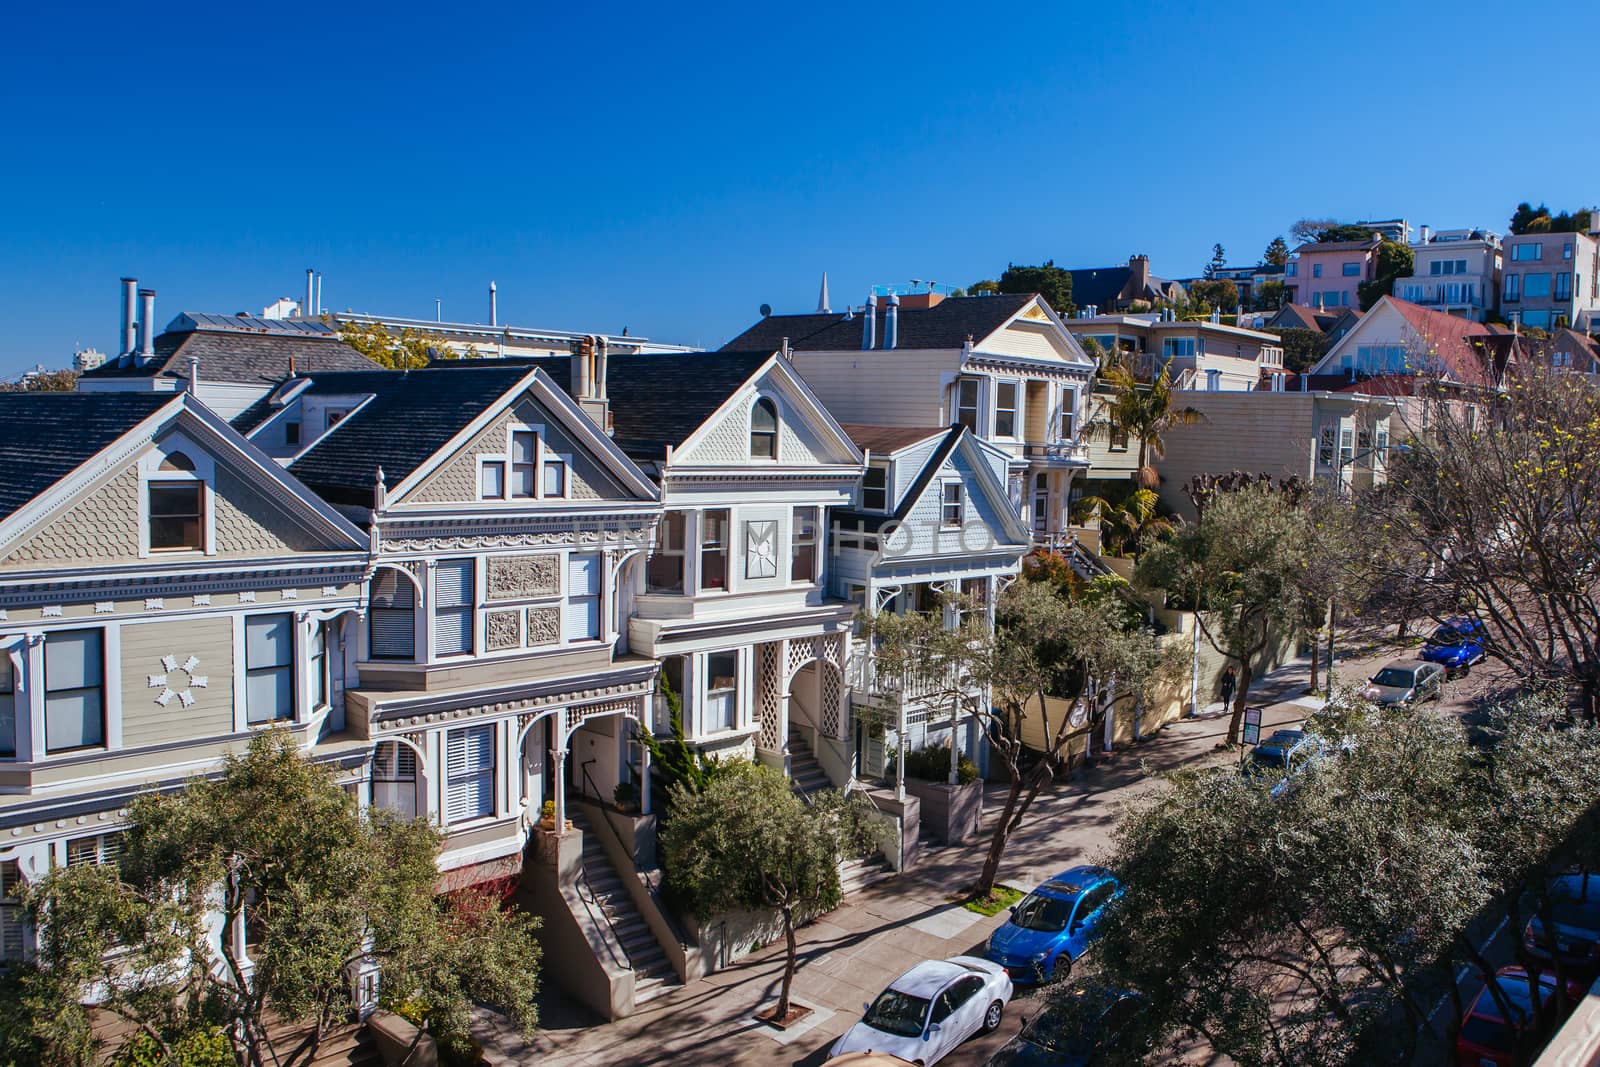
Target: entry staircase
(807, 778)
(652, 971)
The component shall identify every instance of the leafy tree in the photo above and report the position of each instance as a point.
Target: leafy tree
(1145, 413)
(1302, 348)
(1311, 229)
(273, 846)
(987, 287)
(748, 842)
(44, 381)
(1129, 523)
(1344, 232)
(1395, 259)
(1048, 280)
(1496, 515)
(1240, 567)
(1277, 253)
(673, 762)
(409, 349)
(1218, 293)
(1219, 259)
(1047, 644)
(1528, 219)
(1268, 296)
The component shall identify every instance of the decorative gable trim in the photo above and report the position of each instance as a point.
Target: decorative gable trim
(775, 375)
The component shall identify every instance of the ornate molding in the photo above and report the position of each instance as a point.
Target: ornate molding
(628, 692)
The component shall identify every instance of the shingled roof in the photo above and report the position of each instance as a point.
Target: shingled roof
(881, 440)
(412, 415)
(233, 355)
(947, 324)
(46, 436)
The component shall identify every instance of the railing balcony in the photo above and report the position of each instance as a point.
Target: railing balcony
(1057, 452)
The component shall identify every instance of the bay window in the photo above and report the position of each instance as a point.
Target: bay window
(722, 691)
(453, 589)
(74, 685)
(803, 546)
(967, 403)
(583, 597)
(317, 665)
(714, 527)
(663, 572)
(1005, 409)
(268, 668)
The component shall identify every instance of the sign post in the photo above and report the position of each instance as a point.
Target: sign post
(1252, 726)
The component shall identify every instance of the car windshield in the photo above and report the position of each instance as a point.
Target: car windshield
(1063, 1033)
(1270, 759)
(1039, 912)
(1393, 677)
(1448, 635)
(1568, 907)
(897, 1013)
(1488, 1033)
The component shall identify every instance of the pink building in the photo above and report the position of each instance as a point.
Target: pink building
(1326, 274)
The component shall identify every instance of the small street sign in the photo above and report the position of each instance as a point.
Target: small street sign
(1252, 726)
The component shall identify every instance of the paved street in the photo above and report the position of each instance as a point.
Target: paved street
(848, 956)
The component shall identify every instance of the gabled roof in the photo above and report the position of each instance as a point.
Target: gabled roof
(948, 324)
(331, 383)
(1300, 317)
(1456, 350)
(411, 417)
(883, 440)
(1101, 286)
(46, 436)
(235, 354)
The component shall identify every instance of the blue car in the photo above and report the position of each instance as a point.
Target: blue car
(1053, 925)
(1456, 645)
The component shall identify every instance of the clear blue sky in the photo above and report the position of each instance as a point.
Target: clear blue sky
(671, 167)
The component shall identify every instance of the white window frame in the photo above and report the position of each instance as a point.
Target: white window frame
(472, 608)
(543, 455)
(776, 432)
(976, 407)
(570, 597)
(13, 918)
(1015, 409)
(488, 773)
(667, 550)
(882, 468)
(733, 692)
(245, 669)
(107, 671)
(402, 576)
(204, 472)
(960, 504)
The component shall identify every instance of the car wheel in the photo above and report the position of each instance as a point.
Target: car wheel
(1061, 968)
(991, 1018)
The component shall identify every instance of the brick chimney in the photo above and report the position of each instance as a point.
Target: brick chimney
(588, 386)
(920, 301)
(1138, 279)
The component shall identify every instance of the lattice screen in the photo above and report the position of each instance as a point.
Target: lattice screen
(768, 696)
(801, 651)
(832, 700)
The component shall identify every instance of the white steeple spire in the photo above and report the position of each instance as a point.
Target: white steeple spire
(822, 297)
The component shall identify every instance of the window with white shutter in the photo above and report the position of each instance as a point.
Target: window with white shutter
(583, 597)
(391, 616)
(452, 606)
(11, 939)
(268, 668)
(96, 849)
(469, 774)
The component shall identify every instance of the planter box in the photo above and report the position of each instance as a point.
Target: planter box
(394, 1035)
(950, 813)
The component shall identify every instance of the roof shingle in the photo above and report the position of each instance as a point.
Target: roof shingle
(947, 324)
(46, 436)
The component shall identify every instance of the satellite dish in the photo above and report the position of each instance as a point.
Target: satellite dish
(766, 309)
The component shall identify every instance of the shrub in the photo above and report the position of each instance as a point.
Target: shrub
(931, 763)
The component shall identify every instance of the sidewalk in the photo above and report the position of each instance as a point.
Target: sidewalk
(848, 956)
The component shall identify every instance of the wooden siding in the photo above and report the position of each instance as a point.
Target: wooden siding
(902, 387)
(144, 722)
(1256, 432)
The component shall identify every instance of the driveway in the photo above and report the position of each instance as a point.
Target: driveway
(848, 956)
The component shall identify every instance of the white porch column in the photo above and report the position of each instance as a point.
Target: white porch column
(644, 779)
(559, 757)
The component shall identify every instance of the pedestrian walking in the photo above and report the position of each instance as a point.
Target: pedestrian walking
(1230, 682)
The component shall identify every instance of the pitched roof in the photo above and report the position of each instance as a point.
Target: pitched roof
(1459, 343)
(873, 520)
(412, 416)
(1101, 286)
(1340, 246)
(234, 354)
(1298, 317)
(882, 440)
(46, 436)
(326, 383)
(947, 324)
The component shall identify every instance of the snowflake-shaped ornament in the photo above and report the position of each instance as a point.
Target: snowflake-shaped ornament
(170, 687)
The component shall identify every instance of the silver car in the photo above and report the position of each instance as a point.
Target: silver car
(1406, 681)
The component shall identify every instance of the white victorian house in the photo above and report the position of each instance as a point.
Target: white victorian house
(1005, 367)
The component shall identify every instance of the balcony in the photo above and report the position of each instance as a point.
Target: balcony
(1057, 453)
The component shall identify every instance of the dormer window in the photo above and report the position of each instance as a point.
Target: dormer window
(176, 507)
(764, 430)
(875, 489)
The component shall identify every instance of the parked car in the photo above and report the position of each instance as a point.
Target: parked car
(1575, 909)
(1076, 1031)
(1488, 1039)
(1406, 682)
(929, 1010)
(1053, 925)
(865, 1059)
(1456, 645)
(1283, 754)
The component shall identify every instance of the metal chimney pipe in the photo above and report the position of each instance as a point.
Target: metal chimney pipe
(317, 301)
(494, 312)
(600, 368)
(147, 325)
(869, 323)
(130, 330)
(311, 285)
(891, 323)
(194, 374)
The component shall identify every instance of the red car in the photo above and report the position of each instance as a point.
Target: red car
(1489, 1040)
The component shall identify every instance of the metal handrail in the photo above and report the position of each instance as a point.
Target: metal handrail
(586, 894)
(650, 887)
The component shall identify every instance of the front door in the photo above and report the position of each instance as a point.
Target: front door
(1041, 503)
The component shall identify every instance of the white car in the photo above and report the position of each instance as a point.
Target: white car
(929, 1010)
(1406, 681)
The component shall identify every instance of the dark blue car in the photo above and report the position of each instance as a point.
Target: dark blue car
(1456, 645)
(1054, 924)
(1082, 1028)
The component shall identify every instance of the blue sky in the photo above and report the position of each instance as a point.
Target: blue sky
(671, 167)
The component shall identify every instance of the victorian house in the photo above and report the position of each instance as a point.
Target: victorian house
(1004, 367)
(165, 590)
(934, 532)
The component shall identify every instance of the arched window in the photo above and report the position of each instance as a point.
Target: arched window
(392, 616)
(177, 461)
(176, 506)
(764, 430)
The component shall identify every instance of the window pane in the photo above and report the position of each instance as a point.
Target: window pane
(522, 447)
(803, 557)
(73, 659)
(522, 480)
(555, 479)
(874, 489)
(583, 574)
(764, 416)
(469, 789)
(175, 511)
(664, 570)
(492, 481)
(268, 695)
(714, 550)
(583, 618)
(73, 719)
(268, 641)
(722, 670)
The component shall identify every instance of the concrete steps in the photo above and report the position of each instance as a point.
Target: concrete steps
(652, 971)
(805, 773)
(858, 874)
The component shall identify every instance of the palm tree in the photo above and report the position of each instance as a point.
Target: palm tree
(1131, 523)
(1145, 413)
